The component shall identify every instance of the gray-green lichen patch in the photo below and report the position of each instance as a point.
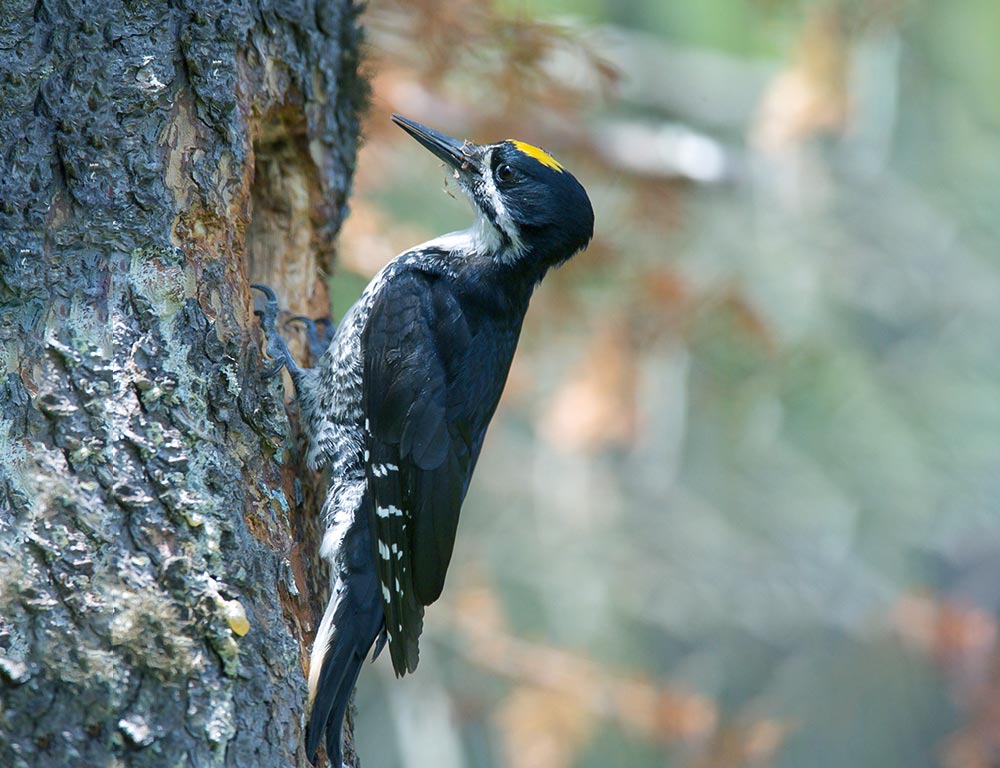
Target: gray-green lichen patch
(128, 448)
(141, 614)
(150, 631)
(158, 275)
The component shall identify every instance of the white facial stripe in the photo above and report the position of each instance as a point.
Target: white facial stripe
(484, 237)
(504, 220)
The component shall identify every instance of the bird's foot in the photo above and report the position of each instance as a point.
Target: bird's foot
(319, 332)
(277, 349)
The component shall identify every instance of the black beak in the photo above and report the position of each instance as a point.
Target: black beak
(458, 154)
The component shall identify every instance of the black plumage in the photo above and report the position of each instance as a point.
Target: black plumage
(436, 358)
(399, 403)
(357, 617)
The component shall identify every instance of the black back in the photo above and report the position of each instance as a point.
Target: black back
(437, 350)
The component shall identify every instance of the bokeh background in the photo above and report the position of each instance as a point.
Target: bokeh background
(740, 505)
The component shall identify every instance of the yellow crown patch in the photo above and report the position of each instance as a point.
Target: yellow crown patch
(538, 154)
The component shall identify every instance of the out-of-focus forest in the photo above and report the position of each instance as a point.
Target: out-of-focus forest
(740, 505)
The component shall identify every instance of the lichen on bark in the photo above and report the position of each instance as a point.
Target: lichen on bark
(157, 586)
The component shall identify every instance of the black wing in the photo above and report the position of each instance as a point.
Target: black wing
(426, 418)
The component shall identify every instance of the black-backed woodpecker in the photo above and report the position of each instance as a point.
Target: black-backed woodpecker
(398, 405)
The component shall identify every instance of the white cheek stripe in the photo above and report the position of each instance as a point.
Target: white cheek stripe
(504, 221)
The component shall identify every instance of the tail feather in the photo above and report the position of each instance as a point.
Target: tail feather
(350, 625)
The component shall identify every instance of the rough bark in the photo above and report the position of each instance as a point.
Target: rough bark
(157, 581)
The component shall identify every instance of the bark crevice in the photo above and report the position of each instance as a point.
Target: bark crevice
(155, 601)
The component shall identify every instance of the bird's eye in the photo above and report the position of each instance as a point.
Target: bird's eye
(504, 172)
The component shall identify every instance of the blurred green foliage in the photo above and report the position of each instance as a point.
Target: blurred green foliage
(741, 503)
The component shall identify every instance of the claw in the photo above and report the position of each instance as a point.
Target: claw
(266, 290)
(318, 340)
(270, 374)
(276, 348)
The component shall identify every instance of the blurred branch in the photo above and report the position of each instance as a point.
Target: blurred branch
(516, 66)
(560, 695)
(963, 640)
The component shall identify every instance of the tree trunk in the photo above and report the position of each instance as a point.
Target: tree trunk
(158, 575)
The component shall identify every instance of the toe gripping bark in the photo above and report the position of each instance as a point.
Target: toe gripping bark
(318, 335)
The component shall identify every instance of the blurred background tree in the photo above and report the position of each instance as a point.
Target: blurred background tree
(741, 503)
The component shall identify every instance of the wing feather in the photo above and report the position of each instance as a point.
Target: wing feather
(428, 409)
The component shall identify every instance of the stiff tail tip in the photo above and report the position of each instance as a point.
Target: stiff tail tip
(345, 635)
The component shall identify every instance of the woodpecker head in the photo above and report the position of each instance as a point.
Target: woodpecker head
(530, 209)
